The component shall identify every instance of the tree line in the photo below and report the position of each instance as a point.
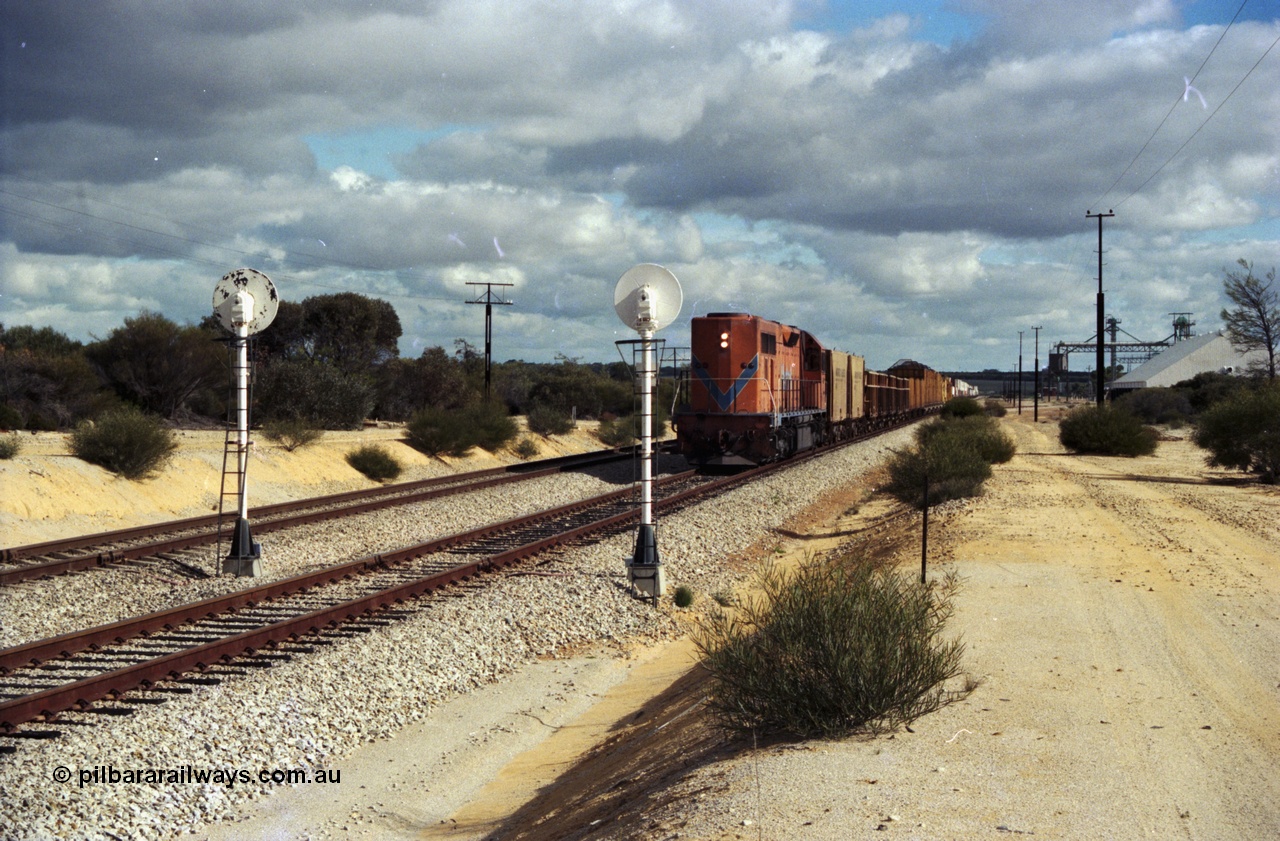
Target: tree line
(329, 361)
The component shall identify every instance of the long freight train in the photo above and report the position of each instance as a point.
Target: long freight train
(761, 391)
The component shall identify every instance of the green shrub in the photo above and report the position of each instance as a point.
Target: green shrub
(527, 448)
(547, 420)
(684, 595)
(1243, 432)
(1108, 431)
(1157, 405)
(494, 427)
(453, 432)
(292, 433)
(1205, 389)
(10, 446)
(994, 408)
(839, 646)
(724, 598)
(617, 433)
(956, 455)
(978, 431)
(124, 441)
(434, 431)
(323, 395)
(10, 418)
(954, 472)
(374, 462)
(961, 407)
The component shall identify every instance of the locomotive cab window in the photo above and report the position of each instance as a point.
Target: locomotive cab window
(768, 343)
(812, 359)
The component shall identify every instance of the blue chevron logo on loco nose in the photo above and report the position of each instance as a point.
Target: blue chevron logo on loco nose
(724, 399)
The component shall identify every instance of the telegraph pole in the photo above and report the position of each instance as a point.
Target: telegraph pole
(488, 299)
(1020, 332)
(1102, 362)
(1036, 416)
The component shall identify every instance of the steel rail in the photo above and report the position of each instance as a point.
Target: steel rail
(376, 498)
(67, 644)
(81, 694)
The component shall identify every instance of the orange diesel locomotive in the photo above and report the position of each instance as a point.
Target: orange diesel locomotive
(760, 391)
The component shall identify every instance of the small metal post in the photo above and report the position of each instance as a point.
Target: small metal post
(924, 532)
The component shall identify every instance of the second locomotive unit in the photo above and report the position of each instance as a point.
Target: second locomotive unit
(761, 391)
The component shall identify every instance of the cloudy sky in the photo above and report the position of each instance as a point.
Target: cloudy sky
(900, 178)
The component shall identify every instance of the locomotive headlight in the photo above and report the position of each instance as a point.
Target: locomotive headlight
(724, 340)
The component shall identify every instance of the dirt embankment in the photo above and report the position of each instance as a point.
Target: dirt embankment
(49, 493)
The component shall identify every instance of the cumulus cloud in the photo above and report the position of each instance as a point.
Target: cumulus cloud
(886, 192)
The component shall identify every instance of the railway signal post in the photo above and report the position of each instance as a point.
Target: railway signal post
(646, 299)
(245, 301)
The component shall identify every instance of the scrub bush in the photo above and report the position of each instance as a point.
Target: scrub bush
(548, 420)
(434, 431)
(124, 441)
(838, 647)
(684, 595)
(978, 431)
(1243, 431)
(954, 472)
(374, 462)
(1157, 405)
(526, 448)
(494, 428)
(1107, 431)
(956, 455)
(453, 432)
(617, 433)
(961, 407)
(322, 395)
(292, 433)
(10, 446)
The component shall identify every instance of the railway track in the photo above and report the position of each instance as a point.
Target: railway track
(75, 670)
(172, 541)
(93, 669)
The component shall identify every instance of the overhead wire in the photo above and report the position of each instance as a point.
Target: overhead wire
(1169, 113)
(1169, 160)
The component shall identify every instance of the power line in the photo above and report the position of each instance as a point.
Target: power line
(1169, 113)
(1201, 126)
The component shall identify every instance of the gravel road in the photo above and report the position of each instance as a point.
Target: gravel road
(1124, 616)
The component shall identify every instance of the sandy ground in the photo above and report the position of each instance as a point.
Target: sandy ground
(1124, 617)
(1122, 614)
